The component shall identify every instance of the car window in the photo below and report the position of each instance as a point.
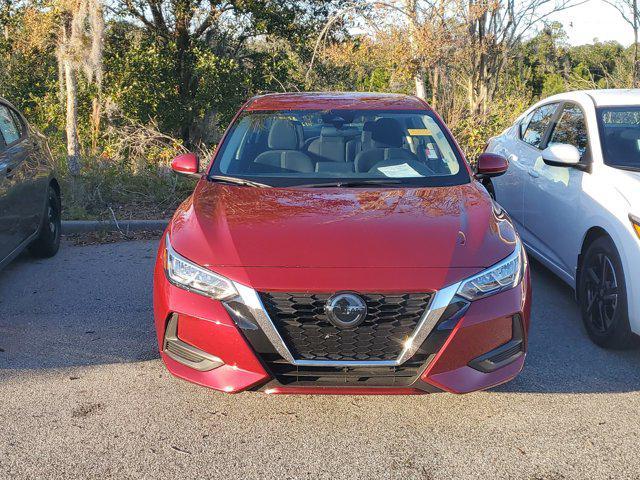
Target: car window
(10, 131)
(522, 126)
(538, 125)
(298, 147)
(571, 129)
(18, 122)
(620, 134)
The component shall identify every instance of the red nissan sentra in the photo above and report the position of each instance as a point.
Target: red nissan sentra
(340, 243)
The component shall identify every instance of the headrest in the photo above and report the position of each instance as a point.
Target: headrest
(367, 128)
(283, 135)
(387, 132)
(299, 132)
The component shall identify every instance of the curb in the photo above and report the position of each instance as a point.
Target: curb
(84, 226)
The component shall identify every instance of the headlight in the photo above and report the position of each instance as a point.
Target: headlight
(185, 274)
(502, 276)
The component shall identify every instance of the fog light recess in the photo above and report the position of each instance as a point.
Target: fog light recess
(504, 354)
(184, 353)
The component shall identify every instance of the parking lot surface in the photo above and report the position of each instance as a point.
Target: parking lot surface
(84, 394)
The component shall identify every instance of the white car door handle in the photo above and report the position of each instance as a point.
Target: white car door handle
(533, 173)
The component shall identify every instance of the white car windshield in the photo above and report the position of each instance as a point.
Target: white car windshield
(342, 147)
(620, 133)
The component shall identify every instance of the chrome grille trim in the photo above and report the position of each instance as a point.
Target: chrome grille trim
(439, 302)
(252, 301)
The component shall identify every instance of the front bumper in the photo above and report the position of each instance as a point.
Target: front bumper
(480, 346)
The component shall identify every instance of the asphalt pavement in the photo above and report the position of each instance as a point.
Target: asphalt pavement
(83, 394)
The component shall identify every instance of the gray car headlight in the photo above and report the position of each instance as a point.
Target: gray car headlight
(186, 274)
(502, 276)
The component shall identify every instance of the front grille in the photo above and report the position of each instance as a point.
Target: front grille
(289, 375)
(301, 321)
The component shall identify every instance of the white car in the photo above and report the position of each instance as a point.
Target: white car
(573, 190)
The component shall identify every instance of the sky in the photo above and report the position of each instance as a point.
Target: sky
(594, 19)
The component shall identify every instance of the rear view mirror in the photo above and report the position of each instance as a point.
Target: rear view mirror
(186, 164)
(561, 155)
(491, 165)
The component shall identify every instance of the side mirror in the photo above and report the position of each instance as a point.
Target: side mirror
(186, 164)
(561, 155)
(491, 165)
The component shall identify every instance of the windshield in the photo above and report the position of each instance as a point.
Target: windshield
(620, 133)
(340, 147)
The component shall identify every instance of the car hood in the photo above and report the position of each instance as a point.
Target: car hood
(224, 225)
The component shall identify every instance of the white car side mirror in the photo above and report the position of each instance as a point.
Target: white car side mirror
(561, 155)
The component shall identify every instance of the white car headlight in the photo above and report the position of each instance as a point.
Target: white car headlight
(502, 276)
(185, 274)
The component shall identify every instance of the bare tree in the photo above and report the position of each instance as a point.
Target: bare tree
(79, 52)
(427, 31)
(434, 39)
(494, 28)
(472, 37)
(628, 9)
(411, 9)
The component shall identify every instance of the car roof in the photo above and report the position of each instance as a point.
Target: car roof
(601, 97)
(335, 100)
(613, 97)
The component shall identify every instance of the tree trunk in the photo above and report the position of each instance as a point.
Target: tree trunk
(185, 65)
(435, 85)
(185, 76)
(420, 75)
(73, 144)
(95, 124)
(421, 88)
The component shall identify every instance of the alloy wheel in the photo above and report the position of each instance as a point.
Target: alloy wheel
(53, 214)
(601, 292)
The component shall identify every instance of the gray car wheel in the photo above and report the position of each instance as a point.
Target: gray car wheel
(48, 241)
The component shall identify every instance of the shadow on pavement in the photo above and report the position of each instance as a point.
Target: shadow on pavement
(92, 305)
(562, 358)
(86, 306)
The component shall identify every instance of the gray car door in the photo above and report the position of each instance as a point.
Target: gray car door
(5, 237)
(8, 240)
(16, 208)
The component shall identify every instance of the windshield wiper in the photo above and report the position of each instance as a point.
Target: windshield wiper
(237, 181)
(353, 183)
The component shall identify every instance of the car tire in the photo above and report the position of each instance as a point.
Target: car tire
(602, 296)
(48, 241)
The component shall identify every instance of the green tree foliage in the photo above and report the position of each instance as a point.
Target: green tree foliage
(219, 36)
(28, 67)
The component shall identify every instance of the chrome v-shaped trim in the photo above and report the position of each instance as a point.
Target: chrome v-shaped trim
(439, 302)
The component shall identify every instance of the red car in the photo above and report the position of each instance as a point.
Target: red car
(340, 243)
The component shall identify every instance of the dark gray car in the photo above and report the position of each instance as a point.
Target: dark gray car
(29, 194)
